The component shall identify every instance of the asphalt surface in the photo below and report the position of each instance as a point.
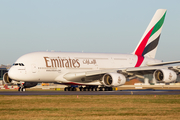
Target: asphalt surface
(123, 92)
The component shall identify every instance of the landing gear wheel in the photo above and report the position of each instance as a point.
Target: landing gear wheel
(65, 89)
(89, 88)
(73, 89)
(69, 88)
(101, 89)
(21, 89)
(110, 89)
(92, 89)
(84, 89)
(81, 88)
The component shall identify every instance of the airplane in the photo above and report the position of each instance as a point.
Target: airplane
(96, 71)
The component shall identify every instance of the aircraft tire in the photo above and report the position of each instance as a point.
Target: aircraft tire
(19, 89)
(89, 89)
(23, 89)
(81, 88)
(65, 89)
(92, 89)
(110, 89)
(73, 89)
(69, 89)
(84, 89)
(100, 89)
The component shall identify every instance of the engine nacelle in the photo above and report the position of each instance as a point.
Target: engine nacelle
(6, 78)
(165, 75)
(113, 79)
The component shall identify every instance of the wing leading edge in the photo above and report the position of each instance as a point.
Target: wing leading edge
(163, 63)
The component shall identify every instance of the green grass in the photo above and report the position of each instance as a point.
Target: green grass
(84, 107)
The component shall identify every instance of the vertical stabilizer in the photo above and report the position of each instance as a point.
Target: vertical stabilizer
(148, 44)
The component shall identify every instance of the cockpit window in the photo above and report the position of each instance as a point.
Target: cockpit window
(21, 64)
(18, 64)
(15, 64)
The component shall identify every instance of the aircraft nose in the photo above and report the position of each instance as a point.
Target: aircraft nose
(12, 73)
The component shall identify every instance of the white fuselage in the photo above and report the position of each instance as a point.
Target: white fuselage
(52, 66)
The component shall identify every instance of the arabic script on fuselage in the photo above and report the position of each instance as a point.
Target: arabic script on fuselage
(89, 61)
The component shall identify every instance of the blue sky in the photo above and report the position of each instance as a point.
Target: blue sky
(100, 26)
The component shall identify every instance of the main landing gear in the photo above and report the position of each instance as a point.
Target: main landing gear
(88, 88)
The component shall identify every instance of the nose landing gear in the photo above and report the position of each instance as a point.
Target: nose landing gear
(21, 88)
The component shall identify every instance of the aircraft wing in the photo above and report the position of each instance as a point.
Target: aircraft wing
(163, 63)
(127, 72)
(141, 71)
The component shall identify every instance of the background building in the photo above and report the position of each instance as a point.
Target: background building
(2, 71)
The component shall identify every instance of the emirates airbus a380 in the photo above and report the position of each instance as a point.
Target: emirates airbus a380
(95, 71)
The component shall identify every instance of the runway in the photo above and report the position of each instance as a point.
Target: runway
(124, 92)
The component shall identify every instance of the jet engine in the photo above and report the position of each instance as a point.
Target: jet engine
(6, 78)
(113, 79)
(165, 75)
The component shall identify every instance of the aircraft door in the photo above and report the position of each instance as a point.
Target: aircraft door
(33, 66)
